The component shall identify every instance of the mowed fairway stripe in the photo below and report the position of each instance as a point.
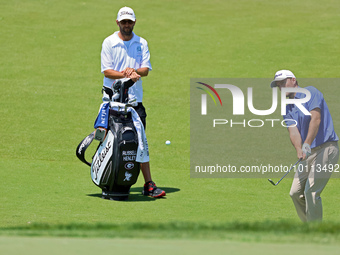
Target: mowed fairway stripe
(84, 246)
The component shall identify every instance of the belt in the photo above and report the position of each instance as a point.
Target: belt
(324, 145)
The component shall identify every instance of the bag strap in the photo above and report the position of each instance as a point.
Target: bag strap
(84, 144)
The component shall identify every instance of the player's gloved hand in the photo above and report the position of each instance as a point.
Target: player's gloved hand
(306, 150)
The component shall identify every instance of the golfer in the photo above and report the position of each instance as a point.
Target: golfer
(126, 55)
(315, 141)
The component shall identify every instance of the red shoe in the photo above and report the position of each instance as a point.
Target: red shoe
(150, 189)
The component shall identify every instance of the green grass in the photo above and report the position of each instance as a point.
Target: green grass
(51, 90)
(42, 245)
(266, 231)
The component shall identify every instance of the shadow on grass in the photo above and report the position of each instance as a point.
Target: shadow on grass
(137, 196)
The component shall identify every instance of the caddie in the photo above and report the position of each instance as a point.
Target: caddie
(315, 141)
(126, 55)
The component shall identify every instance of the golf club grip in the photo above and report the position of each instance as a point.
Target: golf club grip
(300, 159)
(128, 83)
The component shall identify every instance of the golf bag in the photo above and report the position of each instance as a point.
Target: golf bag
(114, 168)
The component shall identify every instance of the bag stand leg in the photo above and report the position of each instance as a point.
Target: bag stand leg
(119, 193)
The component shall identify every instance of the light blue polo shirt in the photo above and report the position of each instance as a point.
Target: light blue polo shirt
(326, 131)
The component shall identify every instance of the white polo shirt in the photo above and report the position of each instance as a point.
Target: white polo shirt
(115, 55)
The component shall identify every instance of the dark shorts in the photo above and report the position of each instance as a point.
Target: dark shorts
(140, 109)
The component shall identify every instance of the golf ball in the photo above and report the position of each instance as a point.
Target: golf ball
(167, 142)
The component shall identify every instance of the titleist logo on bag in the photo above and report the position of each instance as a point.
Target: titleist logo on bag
(98, 160)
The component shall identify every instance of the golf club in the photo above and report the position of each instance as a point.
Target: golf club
(285, 173)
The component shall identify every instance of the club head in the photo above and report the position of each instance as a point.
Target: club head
(271, 182)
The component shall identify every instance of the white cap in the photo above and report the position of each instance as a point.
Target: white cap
(126, 13)
(280, 76)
